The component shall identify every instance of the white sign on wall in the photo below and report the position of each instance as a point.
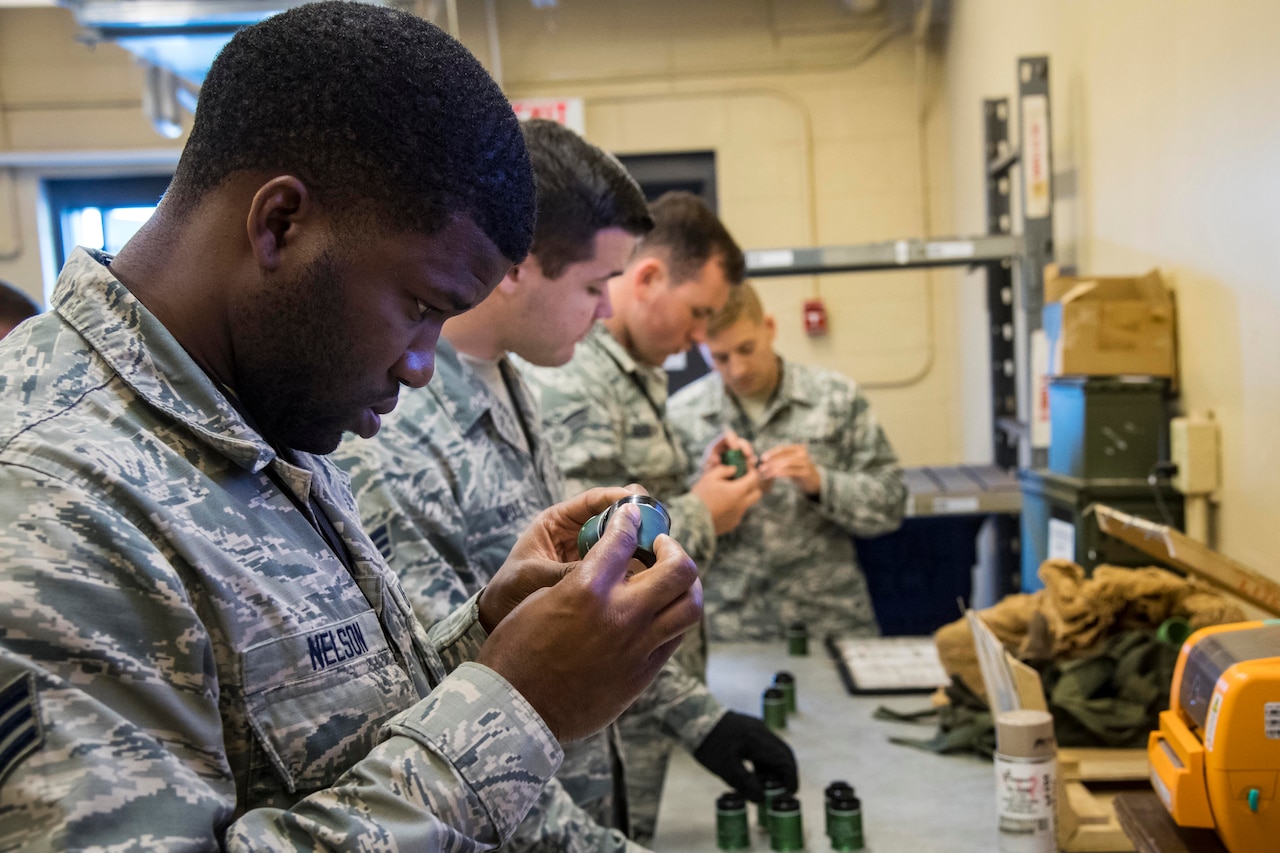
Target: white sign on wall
(567, 111)
(1035, 155)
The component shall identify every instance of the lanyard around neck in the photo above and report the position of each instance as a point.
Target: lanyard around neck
(634, 376)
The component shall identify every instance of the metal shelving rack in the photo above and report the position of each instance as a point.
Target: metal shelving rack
(1013, 317)
(1014, 266)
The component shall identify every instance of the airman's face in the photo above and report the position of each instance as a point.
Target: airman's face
(558, 312)
(673, 315)
(326, 349)
(743, 356)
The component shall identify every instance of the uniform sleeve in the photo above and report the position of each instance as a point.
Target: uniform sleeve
(113, 674)
(556, 823)
(694, 432)
(682, 704)
(457, 771)
(866, 494)
(584, 425)
(693, 527)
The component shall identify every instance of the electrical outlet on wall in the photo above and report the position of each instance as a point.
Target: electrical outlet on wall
(1193, 447)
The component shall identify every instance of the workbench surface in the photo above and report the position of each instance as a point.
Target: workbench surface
(912, 801)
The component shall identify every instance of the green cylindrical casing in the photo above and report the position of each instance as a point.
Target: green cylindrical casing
(773, 787)
(1174, 631)
(835, 790)
(774, 707)
(737, 459)
(838, 787)
(786, 829)
(733, 830)
(844, 822)
(797, 639)
(786, 682)
(654, 521)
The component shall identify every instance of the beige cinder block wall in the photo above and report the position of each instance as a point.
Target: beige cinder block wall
(813, 113)
(1166, 123)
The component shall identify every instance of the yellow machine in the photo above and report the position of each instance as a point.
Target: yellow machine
(1216, 759)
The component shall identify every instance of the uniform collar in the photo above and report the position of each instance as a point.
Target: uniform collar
(654, 379)
(467, 397)
(463, 393)
(794, 387)
(797, 386)
(601, 337)
(149, 360)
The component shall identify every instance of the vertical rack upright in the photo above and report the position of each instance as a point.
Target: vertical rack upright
(1014, 266)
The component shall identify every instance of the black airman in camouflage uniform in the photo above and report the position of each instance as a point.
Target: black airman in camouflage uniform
(199, 646)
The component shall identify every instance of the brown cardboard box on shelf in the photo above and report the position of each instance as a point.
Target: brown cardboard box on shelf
(1109, 326)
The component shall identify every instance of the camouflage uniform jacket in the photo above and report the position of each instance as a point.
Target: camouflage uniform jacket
(185, 662)
(792, 558)
(445, 489)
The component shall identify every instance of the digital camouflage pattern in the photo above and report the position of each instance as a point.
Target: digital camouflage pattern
(606, 431)
(792, 559)
(207, 673)
(445, 489)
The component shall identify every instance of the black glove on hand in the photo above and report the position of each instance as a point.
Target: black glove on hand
(738, 738)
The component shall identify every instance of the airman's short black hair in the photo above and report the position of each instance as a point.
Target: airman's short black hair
(377, 111)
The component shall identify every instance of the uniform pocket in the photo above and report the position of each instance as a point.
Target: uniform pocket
(316, 700)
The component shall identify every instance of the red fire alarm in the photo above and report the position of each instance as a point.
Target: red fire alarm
(815, 318)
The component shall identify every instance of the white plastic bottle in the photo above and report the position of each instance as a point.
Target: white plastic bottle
(1026, 782)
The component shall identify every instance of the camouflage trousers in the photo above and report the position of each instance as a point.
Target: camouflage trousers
(648, 751)
(647, 746)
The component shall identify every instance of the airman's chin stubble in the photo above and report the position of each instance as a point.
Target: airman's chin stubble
(299, 348)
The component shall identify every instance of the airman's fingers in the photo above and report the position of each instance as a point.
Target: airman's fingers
(579, 508)
(607, 561)
(670, 577)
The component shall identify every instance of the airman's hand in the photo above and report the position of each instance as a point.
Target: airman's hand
(544, 552)
(792, 461)
(582, 650)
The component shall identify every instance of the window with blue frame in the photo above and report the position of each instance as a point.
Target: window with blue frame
(100, 213)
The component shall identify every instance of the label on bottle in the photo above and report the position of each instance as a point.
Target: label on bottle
(1025, 792)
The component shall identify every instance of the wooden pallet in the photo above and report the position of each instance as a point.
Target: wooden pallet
(1088, 780)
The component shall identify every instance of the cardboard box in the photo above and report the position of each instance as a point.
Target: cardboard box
(1194, 558)
(1109, 326)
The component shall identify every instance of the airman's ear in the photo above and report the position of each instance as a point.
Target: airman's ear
(648, 274)
(518, 276)
(277, 213)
